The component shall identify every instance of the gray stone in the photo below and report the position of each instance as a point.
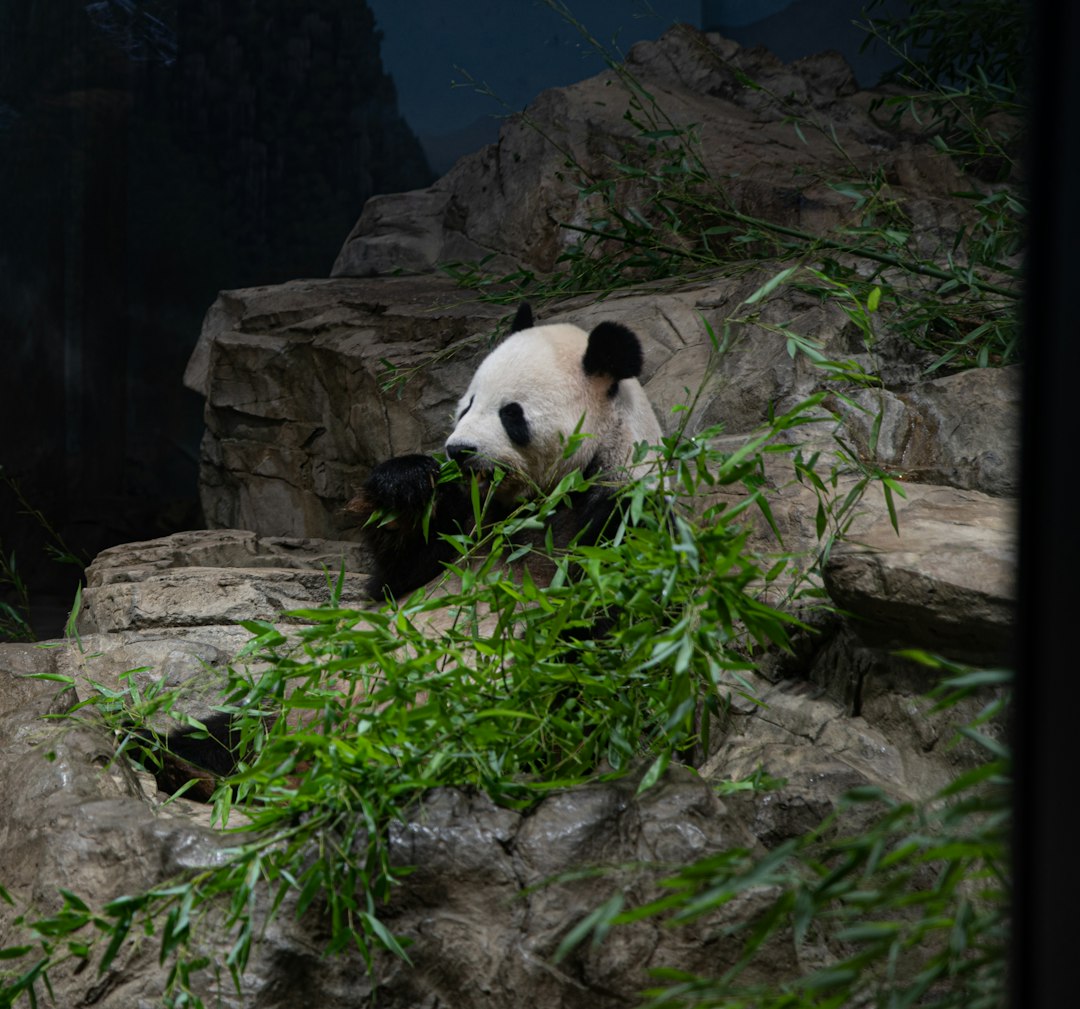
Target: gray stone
(290, 476)
(487, 905)
(961, 430)
(512, 200)
(76, 818)
(197, 579)
(481, 911)
(295, 409)
(945, 583)
(308, 384)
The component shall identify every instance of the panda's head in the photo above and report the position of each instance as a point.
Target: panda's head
(538, 387)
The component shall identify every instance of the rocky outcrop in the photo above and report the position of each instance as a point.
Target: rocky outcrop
(296, 376)
(959, 429)
(943, 582)
(296, 412)
(309, 383)
(480, 911)
(480, 933)
(508, 203)
(297, 408)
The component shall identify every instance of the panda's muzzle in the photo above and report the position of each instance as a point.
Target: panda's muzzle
(470, 460)
(480, 467)
(466, 456)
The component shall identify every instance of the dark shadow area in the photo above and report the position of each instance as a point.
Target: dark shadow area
(151, 155)
(1047, 687)
(798, 28)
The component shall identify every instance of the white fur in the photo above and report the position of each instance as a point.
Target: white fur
(542, 369)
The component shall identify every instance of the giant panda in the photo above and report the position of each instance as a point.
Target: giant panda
(548, 400)
(529, 399)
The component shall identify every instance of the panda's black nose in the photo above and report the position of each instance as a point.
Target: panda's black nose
(460, 452)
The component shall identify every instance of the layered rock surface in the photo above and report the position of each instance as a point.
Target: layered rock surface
(481, 917)
(509, 202)
(307, 384)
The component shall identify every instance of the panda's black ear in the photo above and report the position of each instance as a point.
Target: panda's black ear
(613, 350)
(523, 319)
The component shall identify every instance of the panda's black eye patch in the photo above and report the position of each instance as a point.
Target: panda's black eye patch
(515, 424)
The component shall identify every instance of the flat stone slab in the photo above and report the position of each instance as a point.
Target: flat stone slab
(945, 583)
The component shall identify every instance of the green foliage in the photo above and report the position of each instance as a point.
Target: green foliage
(14, 616)
(489, 682)
(15, 611)
(983, 41)
(913, 907)
(657, 213)
(484, 681)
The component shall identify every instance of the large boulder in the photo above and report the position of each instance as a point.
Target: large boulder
(296, 412)
(943, 580)
(494, 891)
(308, 384)
(508, 204)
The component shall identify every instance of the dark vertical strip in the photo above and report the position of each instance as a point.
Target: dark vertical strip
(1048, 682)
(104, 260)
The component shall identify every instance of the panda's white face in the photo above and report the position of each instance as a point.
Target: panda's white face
(528, 397)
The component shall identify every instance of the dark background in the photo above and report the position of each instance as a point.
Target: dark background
(155, 152)
(152, 154)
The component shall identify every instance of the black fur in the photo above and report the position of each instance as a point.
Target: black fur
(403, 484)
(404, 559)
(187, 757)
(393, 503)
(523, 318)
(614, 351)
(514, 424)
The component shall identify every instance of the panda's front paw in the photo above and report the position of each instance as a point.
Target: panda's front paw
(403, 485)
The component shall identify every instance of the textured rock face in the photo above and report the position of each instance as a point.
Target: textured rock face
(297, 410)
(943, 583)
(482, 923)
(187, 580)
(296, 414)
(480, 912)
(481, 935)
(509, 200)
(959, 430)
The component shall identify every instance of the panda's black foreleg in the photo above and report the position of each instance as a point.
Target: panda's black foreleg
(184, 757)
(406, 511)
